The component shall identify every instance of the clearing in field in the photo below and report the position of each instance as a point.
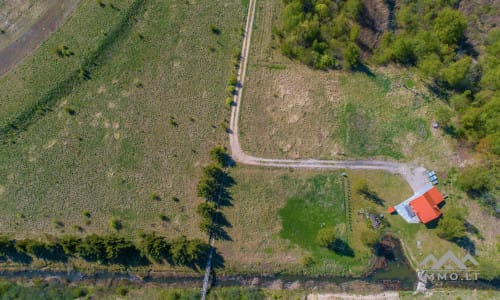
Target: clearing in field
(289, 110)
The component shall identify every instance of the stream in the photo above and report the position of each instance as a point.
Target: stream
(391, 271)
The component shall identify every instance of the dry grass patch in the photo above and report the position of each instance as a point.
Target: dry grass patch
(292, 111)
(107, 159)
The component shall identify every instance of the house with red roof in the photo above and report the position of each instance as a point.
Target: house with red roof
(422, 207)
(426, 207)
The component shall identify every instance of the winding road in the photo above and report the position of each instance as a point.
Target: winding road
(414, 175)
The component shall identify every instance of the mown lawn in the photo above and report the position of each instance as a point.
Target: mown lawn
(107, 140)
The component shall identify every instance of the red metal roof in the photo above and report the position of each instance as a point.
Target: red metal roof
(426, 206)
(391, 210)
(434, 195)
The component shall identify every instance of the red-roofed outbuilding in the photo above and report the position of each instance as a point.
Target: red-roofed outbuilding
(426, 206)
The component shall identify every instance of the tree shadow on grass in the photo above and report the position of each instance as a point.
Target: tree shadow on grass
(218, 232)
(434, 223)
(373, 196)
(18, 257)
(341, 248)
(467, 244)
(361, 68)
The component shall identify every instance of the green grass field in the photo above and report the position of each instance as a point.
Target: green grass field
(318, 204)
(276, 215)
(103, 145)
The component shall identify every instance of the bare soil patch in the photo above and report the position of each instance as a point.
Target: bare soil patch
(45, 17)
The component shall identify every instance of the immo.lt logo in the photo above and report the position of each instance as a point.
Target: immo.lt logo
(449, 267)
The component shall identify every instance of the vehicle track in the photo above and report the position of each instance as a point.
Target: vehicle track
(414, 175)
(30, 40)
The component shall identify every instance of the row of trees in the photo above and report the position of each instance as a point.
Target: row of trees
(213, 187)
(108, 249)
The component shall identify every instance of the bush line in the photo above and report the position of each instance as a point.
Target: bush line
(108, 249)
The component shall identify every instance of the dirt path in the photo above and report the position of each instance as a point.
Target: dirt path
(414, 175)
(55, 16)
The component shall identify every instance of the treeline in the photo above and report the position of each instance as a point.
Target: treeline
(428, 36)
(213, 187)
(108, 249)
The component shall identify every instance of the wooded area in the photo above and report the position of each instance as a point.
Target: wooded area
(429, 37)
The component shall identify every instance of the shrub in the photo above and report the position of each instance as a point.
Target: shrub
(83, 73)
(57, 223)
(69, 244)
(451, 227)
(163, 218)
(115, 223)
(172, 122)
(7, 246)
(233, 80)
(220, 156)
(154, 196)
(139, 35)
(307, 260)
(154, 247)
(122, 291)
(79, 292)
(206, 210)
(70, 111)
(214, 29)
(326, 237)
(224, 126)
(231, 90)
(63, 51)
(369, 238)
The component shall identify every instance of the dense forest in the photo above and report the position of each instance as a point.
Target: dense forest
(428, 36)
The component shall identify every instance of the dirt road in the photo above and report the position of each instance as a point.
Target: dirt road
(55, 16)
(414, 175)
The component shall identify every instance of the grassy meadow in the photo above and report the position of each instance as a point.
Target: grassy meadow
(140, 120)
(277, 213)
(290, 110)
(121, 121)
